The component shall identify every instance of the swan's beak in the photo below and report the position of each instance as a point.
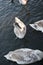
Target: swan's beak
(32, 25)
(6, 56)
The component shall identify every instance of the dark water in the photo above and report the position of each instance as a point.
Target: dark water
(30, 13)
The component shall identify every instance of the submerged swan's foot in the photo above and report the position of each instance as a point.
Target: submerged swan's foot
(28, 13)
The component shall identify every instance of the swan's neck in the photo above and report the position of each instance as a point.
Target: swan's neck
(20, 27)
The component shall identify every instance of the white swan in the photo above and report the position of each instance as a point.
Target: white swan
(37, 25)
(24, 55)
(19, 28)
(23, 2)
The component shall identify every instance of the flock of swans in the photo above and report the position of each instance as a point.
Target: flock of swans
(25, 55)
(20, 27)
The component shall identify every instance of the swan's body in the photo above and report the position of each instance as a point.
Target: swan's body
(37, 25)
(24, 56)
(23, 2)
(19, 28)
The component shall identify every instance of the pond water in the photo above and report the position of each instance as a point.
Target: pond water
(30, 13)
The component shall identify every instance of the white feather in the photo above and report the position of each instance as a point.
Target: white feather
(23, 2)
(24, 56)
(37, 25)
(19, 32)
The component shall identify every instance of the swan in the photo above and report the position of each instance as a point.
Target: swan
(24, 55)
(37, 25)
(23, 2)
(19, 28)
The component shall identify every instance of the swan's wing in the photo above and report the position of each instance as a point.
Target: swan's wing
(24, 56)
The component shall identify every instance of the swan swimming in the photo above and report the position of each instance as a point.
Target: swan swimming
(19, 28)
(23, 2)
(37, 25)
(24, 55)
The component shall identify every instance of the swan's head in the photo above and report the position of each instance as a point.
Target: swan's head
(8, 56)
(23, 2)
(34, 26)
(37, 25)
(19, 28)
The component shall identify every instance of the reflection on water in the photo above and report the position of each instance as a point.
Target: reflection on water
(30, 13)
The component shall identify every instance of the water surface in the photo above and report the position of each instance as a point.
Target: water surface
(30, 13)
